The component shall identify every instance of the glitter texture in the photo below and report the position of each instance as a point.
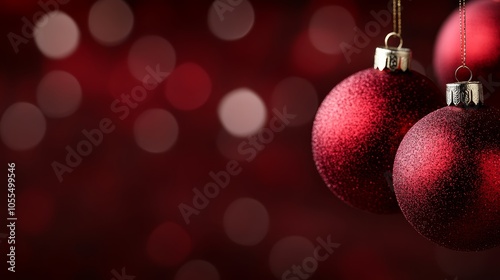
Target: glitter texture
(447, 177)
(357, 131)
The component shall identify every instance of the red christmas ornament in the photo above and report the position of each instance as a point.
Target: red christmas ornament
(483, 47)
(447, 172)
(360, 124)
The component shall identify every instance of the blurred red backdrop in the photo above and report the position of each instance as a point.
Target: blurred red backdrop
(161, 113)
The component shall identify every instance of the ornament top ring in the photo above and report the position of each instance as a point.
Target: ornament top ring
(392, 58)
(464, 67)
(395, 35)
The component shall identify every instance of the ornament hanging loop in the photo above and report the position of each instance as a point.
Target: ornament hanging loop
(463, 40)
(393, 58)
(464, 93)
(396, 24)
(463, 67)
(393, 34)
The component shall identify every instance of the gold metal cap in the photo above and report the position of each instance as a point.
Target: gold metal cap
(464, 94)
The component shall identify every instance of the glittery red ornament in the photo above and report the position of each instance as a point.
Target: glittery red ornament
(483, 48)
(447, 177)
(358, 128)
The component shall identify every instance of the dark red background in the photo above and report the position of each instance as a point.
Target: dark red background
(101, 216)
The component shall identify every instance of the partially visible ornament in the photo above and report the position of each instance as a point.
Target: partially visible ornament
(360, 124)
(447, 172)
(483, 47)
(447, 168)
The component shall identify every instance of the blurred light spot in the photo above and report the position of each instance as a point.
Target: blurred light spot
(110, 21)
(246, 221)
(306, 58)
(289, 251)
(22, 126)
(58, 94)
(188, 87)
(329, 27)
(156, 130)
(197, 270)
(56, 35)
(35, 211)
(229, 21)
(242, 112)
(150, 52)
(169, 244)
(299, 97)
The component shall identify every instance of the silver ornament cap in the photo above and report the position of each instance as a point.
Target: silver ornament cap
(392, 58)
(464, 94)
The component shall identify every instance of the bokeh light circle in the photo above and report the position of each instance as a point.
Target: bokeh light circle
(246, 221)
(22, 126)
(156, 130)
(331, 26)
(56, 35)
(58, 94)
(169, 244)
(197, 270)
(307, 59)
(151, 53)
(188, 87)
(299, 97)
(242, 112)
(110, 21)
(231, 20)
(289, 251)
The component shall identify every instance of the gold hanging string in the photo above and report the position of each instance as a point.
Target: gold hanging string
(463, 31)
(396, 24)
(396, 16)
(463, 39)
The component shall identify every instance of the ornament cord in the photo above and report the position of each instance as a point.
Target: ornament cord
(463, 39)
(396, 17)
(463, 31)
(396, 24)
